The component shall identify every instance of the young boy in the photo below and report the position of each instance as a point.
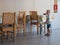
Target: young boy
(48, 22)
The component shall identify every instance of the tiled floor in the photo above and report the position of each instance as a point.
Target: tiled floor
(34, 39)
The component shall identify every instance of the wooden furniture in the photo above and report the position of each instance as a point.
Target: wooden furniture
(22, 21)
(8, 24)
(34, 16)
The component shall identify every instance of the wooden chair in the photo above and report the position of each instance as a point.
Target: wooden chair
(34, 16)
(8, 24)
(22, 21)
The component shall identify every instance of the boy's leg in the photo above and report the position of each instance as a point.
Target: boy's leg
(48, 28)
(48, 31)
(40, 28)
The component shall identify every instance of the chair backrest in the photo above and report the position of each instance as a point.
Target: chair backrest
(21, 16)
(8, 18)
(33, 15)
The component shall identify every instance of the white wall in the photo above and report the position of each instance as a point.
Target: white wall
(42, 5)
(26, 5)
(1, 6)
(56, 22)
(38, 5)
(7, 5)
(10, 5)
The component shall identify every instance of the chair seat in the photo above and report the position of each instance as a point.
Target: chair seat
(7, 28)
(35, 23)
(8, 25)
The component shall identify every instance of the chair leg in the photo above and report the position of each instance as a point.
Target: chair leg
(30, 28)
(2, 38)
(40, 28)
(37, 29)
(24, 29)
(18, 31)
(7, 34)
(12, 36)
(44, 28)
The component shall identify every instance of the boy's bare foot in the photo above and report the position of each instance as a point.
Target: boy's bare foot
(47, 34)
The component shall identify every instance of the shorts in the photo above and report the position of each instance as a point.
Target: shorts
(48, 26)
